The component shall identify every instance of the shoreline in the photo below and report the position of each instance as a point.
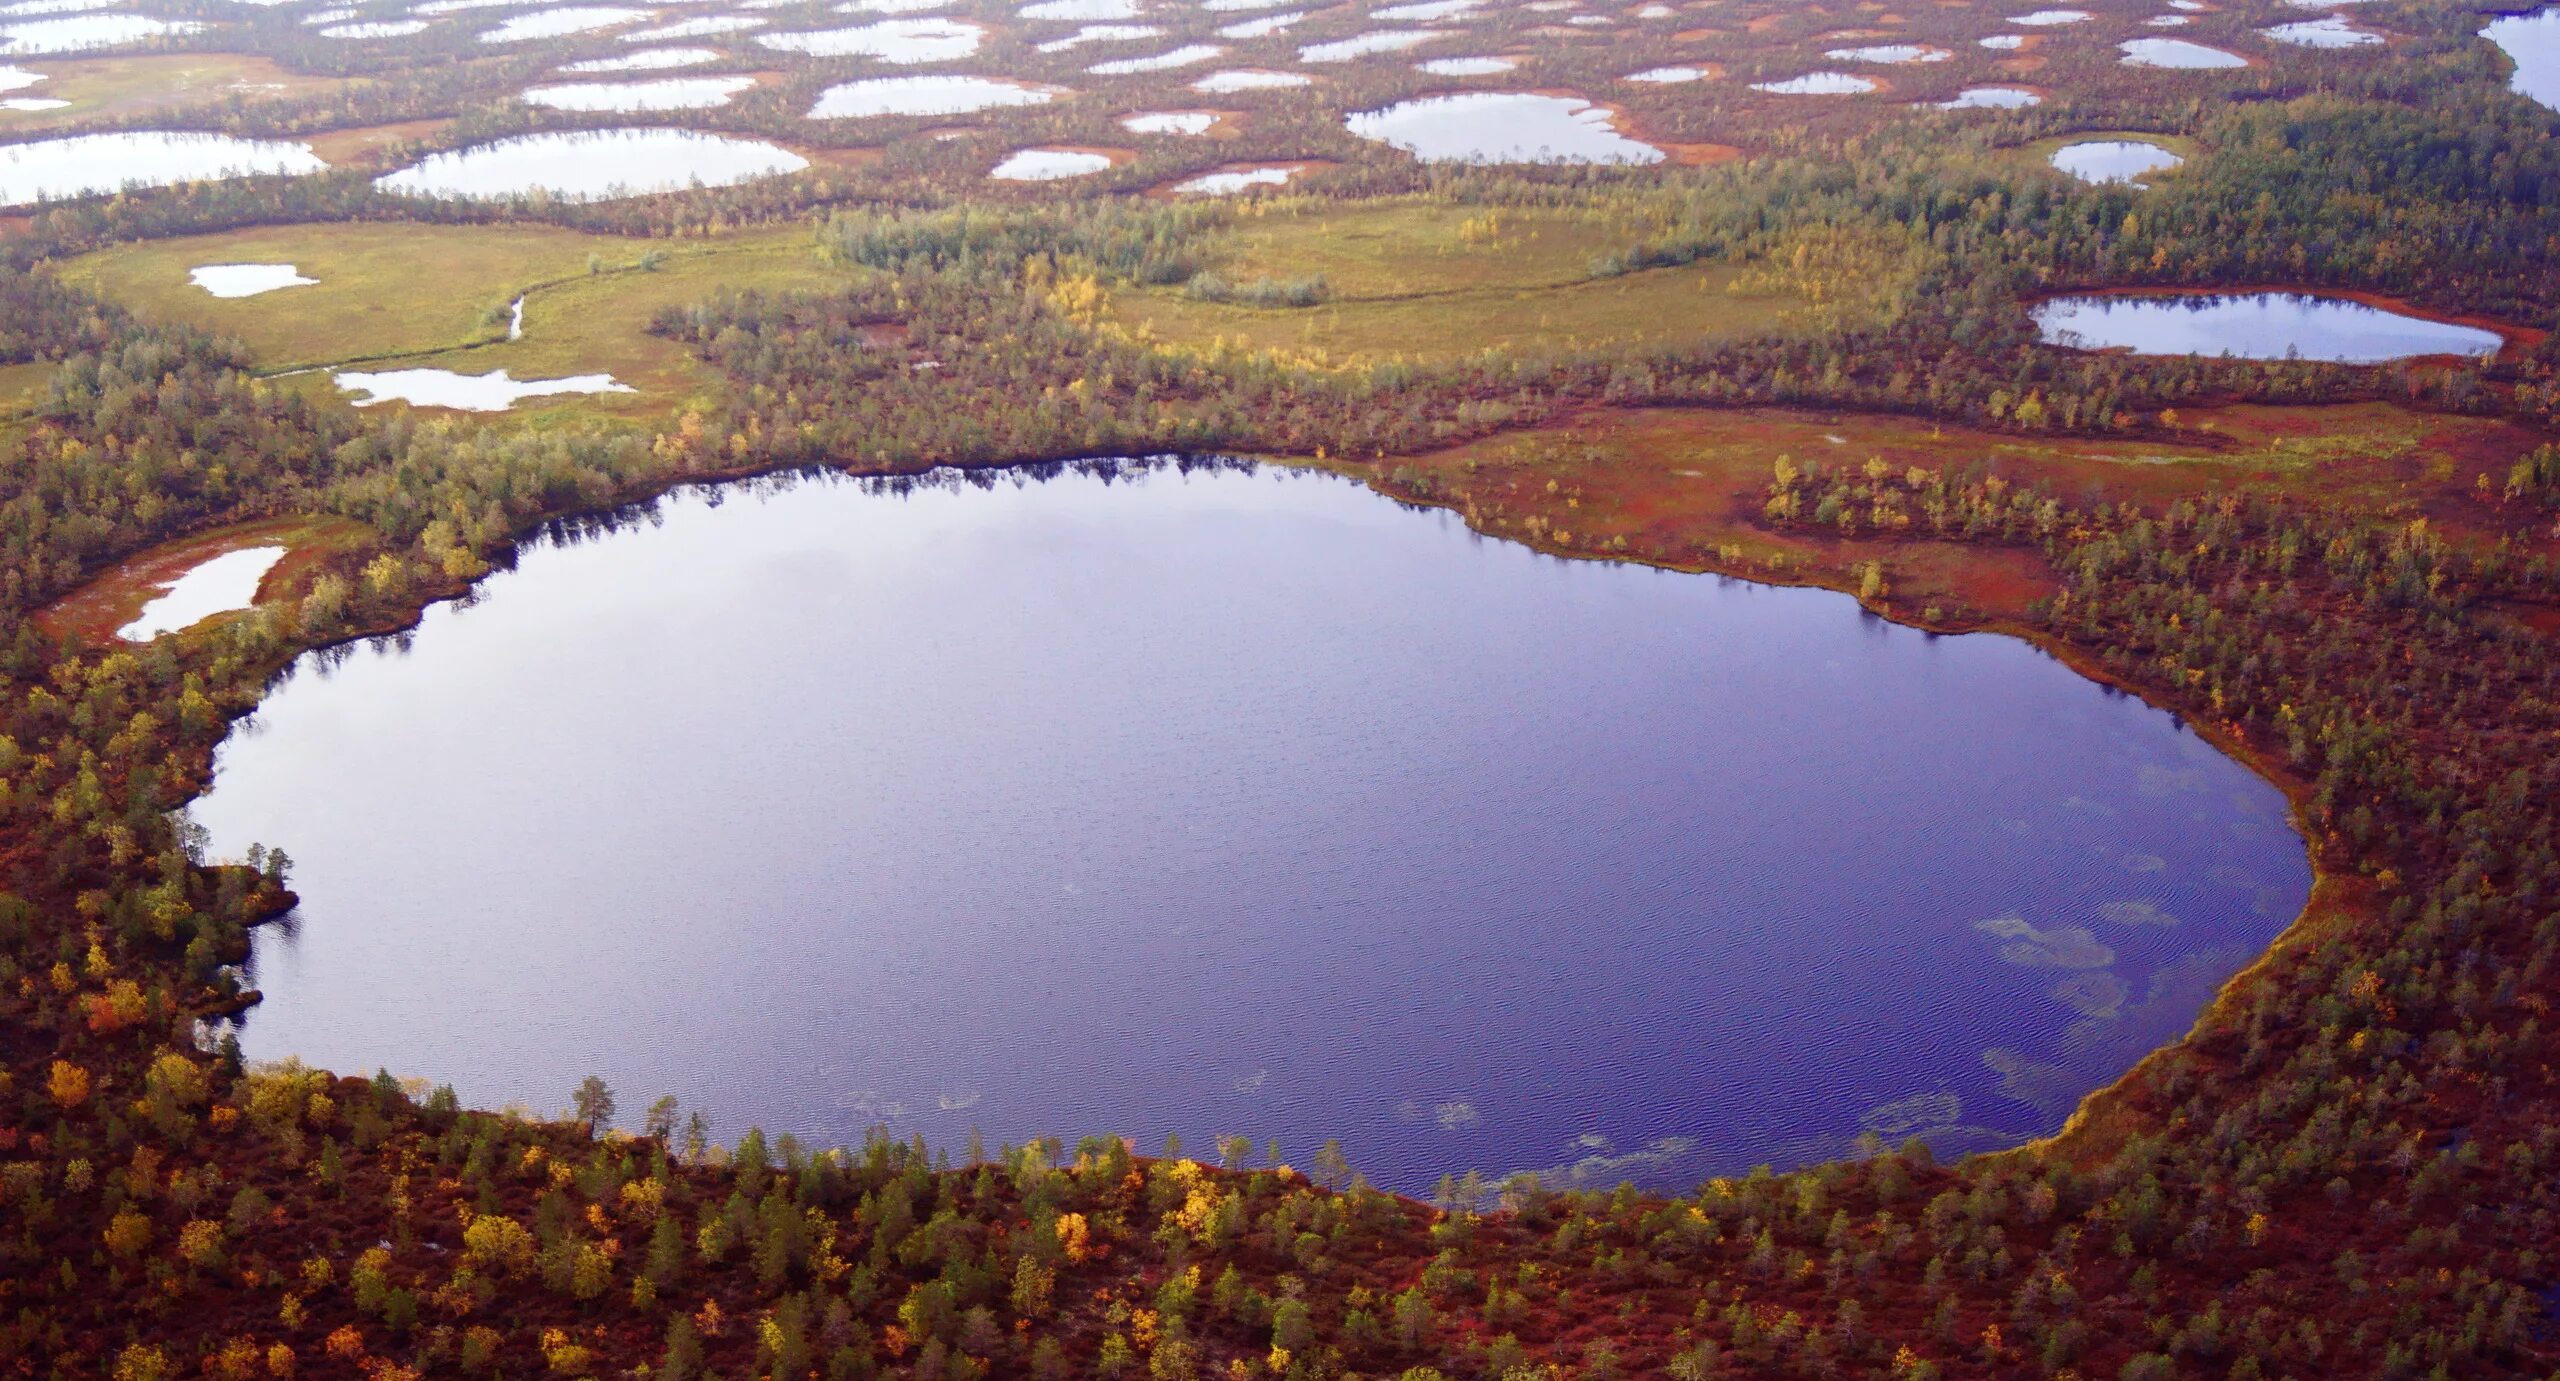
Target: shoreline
(2513, 338)
(2104, 1108)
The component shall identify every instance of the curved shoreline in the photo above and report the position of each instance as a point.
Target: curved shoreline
(2091, 1113)
(2102, 1106)
(2514, 338)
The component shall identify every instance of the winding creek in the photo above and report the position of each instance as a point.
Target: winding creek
(1225, 799)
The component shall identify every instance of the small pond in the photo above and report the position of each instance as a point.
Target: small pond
(1080, 10)
(246, 280)
(1188, 55)
(90, 164)
(1231, 801)
(216, 586)
(2177, 53)
(900, 41)
(924, 96)
(2255, 326)
(2113, 160)
(596, 165)
(444, 388)
(1050, 165)
(1257, 28)
(668, 93)
(1819, 84)
(1502, 127)
(1890, 54)
(559, 23)
(2532, 43)
(1231, 182)
(1102, 33)
(389, 28)
(1668, 76)
(1250, 79)
(1992, 98)
(1362, 45)
(2331, 32)
(2048, 18)
(707, 26)
(1183, 122)
(646, 60)
(1425, 11)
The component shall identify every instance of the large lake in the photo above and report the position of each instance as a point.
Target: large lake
(1220, 800)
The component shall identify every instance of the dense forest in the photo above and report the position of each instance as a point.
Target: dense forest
(2346, 1170)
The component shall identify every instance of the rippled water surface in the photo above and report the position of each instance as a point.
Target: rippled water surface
(1232, 801)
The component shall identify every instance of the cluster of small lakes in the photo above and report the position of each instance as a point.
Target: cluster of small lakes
(1469, 126)
(1338, 822)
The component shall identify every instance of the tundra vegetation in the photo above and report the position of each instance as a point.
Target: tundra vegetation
(2350, 575)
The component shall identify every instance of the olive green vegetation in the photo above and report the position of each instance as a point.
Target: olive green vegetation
(588, 300)
(1691, 303)
(19, 385)
(1407, 246)
(133, 84)
(1411, 278)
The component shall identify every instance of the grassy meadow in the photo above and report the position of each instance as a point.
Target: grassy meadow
(138, 84)
(1422, 280)
(588, 300)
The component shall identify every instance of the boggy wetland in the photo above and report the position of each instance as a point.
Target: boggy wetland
(1551, 689)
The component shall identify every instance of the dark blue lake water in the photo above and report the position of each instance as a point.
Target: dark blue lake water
(1232, 801)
